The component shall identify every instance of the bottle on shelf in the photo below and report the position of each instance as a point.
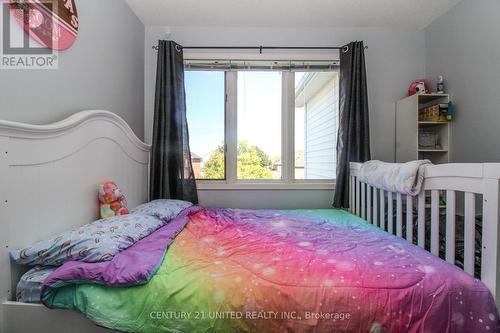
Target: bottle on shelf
(440, 85)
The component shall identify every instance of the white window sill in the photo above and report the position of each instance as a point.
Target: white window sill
(269, 185)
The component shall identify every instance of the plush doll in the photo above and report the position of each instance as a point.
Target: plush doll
(111, 200)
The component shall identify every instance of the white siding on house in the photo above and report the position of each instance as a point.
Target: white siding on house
(321, 126)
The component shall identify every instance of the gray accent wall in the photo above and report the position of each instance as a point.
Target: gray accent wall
(104, 69)
(262, 199)
(463, 45)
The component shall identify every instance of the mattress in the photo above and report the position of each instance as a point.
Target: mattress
(273, 271)
(29, 286)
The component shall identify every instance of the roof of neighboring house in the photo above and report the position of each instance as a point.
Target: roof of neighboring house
(195, 156)
(299, 160)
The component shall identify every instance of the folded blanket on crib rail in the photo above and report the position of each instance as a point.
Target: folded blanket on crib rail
(405, 178)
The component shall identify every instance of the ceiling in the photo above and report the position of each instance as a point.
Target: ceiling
(291, 13)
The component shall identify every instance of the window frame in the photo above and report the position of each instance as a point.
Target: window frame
(287, 181)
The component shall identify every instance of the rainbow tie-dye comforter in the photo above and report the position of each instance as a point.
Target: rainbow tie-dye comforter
(231, 270)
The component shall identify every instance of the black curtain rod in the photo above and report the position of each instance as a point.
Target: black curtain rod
(261, 48)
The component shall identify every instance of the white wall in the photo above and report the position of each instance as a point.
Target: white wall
(395, 57)
(463, 46)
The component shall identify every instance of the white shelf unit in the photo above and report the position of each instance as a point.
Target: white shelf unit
(408, 127)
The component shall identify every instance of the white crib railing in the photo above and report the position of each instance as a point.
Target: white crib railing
(442, 187)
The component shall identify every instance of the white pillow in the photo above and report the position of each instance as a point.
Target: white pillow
(164, 209)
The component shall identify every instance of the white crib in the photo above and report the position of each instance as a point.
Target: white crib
(443, 184)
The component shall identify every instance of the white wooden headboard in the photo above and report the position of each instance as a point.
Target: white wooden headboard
(49, 176)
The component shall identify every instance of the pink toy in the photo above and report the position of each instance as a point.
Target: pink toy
(418, 87)
(111, 200)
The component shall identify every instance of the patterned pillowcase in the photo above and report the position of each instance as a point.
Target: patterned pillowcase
(164, 209)
(93, 242)
(29, 287)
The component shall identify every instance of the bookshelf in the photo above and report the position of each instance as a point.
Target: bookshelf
(412, 135)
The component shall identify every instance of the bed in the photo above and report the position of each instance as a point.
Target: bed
(292, 271)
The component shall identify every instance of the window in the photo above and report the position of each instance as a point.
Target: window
(259, 125)
(262, 125)
(316, 125)
(205, 99)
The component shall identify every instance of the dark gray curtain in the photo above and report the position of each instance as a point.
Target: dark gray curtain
(353, 142)
(171, 172)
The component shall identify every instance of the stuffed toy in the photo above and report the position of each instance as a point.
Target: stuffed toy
(111, 200)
